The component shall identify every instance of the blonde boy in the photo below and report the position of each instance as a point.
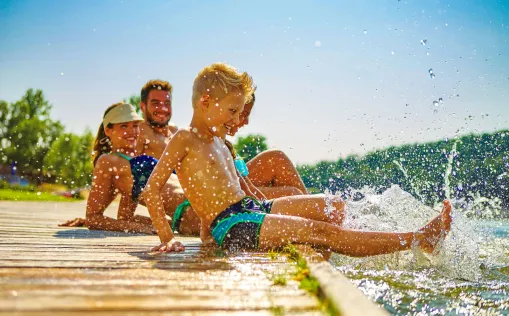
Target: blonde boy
(207, 173)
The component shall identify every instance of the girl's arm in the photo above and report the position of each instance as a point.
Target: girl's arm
(258, 194)
(101, 195)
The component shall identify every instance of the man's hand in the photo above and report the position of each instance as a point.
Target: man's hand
(77, 222)
(170, 246)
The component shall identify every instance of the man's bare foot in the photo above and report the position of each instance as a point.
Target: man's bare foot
(429, 236)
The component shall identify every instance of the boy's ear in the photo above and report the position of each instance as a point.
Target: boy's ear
(205, 101)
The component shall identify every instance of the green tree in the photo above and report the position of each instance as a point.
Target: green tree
(251, 145)
(135, 101)
(69, 159)
(27, 131)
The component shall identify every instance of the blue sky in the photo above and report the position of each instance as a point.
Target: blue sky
(334, 77)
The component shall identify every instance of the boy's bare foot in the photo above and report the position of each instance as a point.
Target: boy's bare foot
(429, 236)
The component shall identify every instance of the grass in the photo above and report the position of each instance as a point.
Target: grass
(308, 283)
(279, 279)
(15, 195)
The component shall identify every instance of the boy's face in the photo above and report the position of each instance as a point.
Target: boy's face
(222, 114)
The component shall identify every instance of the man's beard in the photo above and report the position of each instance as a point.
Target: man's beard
(153, 123)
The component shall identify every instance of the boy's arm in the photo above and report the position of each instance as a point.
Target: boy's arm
(174, 153)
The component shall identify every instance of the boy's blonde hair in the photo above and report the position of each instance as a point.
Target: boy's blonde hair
(218, 79)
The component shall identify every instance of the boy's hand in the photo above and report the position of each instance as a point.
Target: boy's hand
(170, 246)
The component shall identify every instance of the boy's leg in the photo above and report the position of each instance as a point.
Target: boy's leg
(274, 168)
(279, 230)
(310, 207)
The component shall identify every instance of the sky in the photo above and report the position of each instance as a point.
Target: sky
(334, 78)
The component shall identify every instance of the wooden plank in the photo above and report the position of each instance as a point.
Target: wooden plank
(46, 269)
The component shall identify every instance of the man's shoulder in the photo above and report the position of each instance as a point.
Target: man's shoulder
(173, 127)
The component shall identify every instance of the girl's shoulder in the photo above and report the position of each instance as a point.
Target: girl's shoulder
(109, 160)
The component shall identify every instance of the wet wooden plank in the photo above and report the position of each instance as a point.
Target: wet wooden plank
(51, 270)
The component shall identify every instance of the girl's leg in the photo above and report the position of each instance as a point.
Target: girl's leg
(311, 207)
(274, 168)
(172, 195)
(276, 192)
(279, 230)
(190, 223)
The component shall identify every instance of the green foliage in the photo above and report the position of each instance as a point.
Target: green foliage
(69, 159)
(291, 251)
(27, 131)
(17, 195)
(480, 165)
(16, 187)
(135, 101)
(279, 279)
(251, 145)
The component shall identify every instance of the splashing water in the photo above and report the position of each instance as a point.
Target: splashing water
(448, 171)
(469, 271)
(411, 182)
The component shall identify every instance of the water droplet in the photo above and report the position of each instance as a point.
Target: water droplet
(440, 100)
(435, 103)
(195, 130)
(318, 44)
(424, 42)
(214, 128)
(365, 32)
(431, 73)
(61, 73)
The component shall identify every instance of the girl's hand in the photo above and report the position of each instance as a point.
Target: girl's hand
(77, 222)
(170, 246)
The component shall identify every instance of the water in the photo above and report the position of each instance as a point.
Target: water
(468, 274)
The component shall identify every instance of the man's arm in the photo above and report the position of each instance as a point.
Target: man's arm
(173, 154)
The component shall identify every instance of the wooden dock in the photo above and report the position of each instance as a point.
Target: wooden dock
(51, 270)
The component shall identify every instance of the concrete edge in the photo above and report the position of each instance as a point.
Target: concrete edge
(343, 294)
